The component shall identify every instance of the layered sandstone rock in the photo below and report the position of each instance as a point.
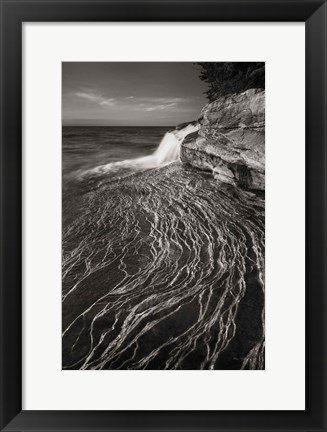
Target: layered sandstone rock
(230, 141)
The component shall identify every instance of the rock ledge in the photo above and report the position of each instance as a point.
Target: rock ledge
(230, 141)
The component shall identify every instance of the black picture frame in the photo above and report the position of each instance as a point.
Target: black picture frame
(13, 14)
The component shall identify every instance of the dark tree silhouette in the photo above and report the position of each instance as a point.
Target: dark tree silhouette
(231, 77)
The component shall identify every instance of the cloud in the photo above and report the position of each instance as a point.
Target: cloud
(160, 107)
(144, 104)
(157, 104)
(169, 100)
(108, 102)
(96, 98)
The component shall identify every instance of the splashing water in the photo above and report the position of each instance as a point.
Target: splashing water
(169, 148)
(167, 151)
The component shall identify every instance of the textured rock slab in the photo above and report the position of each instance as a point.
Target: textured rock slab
(179, 284)
(231, 140)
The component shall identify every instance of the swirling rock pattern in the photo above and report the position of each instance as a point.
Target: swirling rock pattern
(164, 269)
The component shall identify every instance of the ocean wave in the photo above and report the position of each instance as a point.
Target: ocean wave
(167, 152)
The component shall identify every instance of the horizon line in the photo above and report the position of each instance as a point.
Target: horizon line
(88, 125)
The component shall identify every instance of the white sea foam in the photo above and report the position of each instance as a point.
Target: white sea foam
(168, 151)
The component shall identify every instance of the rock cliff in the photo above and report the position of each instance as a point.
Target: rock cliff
(230, 141)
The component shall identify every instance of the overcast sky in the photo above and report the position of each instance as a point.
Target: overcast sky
(131, 94)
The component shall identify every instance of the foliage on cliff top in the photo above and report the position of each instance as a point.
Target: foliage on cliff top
(231, 77)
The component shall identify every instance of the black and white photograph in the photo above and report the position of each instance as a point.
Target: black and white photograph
(163, 215)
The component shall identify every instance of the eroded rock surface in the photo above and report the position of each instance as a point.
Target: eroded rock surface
(230, 141)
